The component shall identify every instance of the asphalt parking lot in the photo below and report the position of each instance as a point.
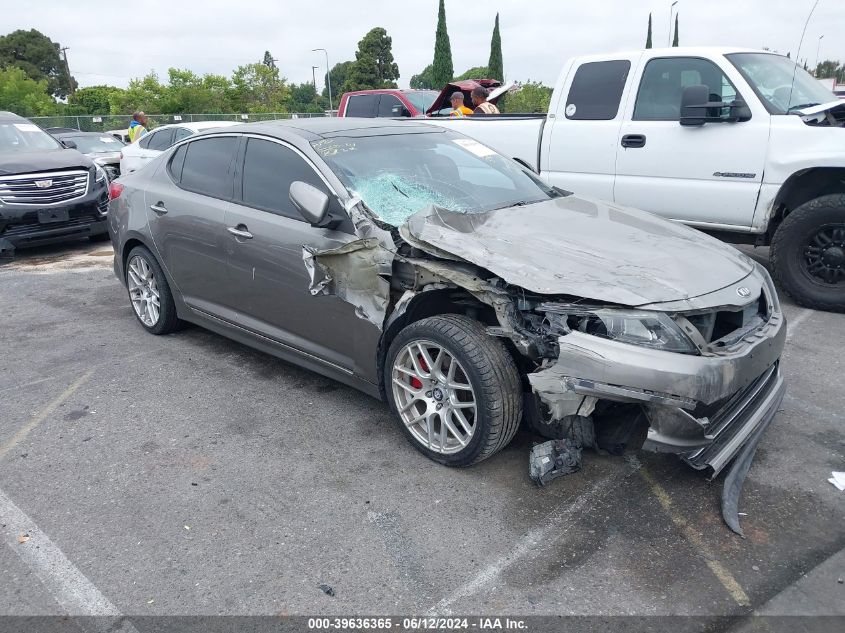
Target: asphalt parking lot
(188, 474)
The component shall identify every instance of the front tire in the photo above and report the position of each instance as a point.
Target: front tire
(455, 390)
(808, 253)
(149, 293)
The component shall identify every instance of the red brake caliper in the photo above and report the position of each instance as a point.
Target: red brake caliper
(416, 383)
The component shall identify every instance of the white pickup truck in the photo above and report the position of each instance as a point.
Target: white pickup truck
(739, 143)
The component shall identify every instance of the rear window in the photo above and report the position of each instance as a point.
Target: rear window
(207, 167)
(161, 140)
(596, 90)
(362, 105)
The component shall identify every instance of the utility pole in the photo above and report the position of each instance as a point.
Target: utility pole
(328, 76)
(818, 48)
(67, 69)
(671, 11)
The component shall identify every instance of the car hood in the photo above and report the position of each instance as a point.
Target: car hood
(12, 163)
(105, 158)
(583, 247)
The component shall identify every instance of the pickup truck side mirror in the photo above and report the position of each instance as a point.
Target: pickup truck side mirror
(697, 109)
(400, 111)
(69, 144)
(312, 203)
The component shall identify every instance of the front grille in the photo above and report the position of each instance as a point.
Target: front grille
(35, 228)
(45, 188)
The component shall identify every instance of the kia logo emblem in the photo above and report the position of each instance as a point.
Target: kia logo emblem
(43, 184)
(742, 291)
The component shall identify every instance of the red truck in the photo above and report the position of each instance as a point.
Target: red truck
(392, 102)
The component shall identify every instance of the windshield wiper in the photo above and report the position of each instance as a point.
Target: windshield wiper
(801, 106)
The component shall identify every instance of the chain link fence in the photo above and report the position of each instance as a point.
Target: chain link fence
(107, 122)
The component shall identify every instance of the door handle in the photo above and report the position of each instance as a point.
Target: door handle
(633, 140)
(159, 208)
(240, 231)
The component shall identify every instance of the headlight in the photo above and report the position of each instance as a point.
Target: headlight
(655, 330)
(100, 173)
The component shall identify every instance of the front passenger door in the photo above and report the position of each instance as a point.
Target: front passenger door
(266, 235)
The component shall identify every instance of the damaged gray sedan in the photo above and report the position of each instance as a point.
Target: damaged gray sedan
(425, 269)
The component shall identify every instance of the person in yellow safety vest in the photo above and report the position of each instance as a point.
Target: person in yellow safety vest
(458, 107)
(479, 100)
(137, 126)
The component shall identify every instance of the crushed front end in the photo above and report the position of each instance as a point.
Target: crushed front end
(703, 371)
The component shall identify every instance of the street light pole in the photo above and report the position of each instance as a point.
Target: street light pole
(314, 76)
(671, 11)
(818, 48)
(328, 76)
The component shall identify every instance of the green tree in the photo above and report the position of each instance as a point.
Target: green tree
(23, 95)
(476, 72)
(675, 39)
(39, 57)
(424, 80)
(648, 37)
(374, 66)
(268, 60)
(830, 68)
(303, 98)
(258, 88)
(495, 64)
(442, 68)
(531, 96)
(146, 94)
(94, 99)
(187, 92)
(340, 73)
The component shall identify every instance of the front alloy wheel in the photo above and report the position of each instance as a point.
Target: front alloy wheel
(454, 388)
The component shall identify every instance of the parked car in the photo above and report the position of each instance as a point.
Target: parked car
(120, 135)
(100, 147)
(385, 103)
(48, 192)
(153, 143)
(422, 267)
(739, 143)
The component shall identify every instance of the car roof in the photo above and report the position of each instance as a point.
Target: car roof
(78, 133)
(326, 127)
(197, 126)
(11, 116)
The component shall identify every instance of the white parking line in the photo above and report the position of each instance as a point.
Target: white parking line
(798, 320)
(554, 526)
(71, 589)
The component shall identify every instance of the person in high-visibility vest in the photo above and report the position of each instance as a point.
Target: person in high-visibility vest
(137, 127)
(458, 107)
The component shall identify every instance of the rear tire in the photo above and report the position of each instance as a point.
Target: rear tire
(473, 368)
(149, 293)
(808, 253)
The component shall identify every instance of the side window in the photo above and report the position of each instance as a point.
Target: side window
(207, 166)
(596, 90)
(181, 132)
(176, 163)
(663, 83)
(147, 139)
(362, 105)
(389, 106)
(161, 140)
(269, 170)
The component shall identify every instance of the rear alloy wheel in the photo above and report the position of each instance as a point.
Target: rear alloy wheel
(808, 253)
(454, 388)
(149, 293)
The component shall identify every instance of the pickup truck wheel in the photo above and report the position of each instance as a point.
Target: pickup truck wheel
(808, 253)
(149, 293)
(455, 389)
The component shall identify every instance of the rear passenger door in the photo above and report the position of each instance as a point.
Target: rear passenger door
(362, 105)
(186, 204)
(579, 152)
(265, 257)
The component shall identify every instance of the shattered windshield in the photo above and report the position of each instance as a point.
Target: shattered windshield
(398, 175)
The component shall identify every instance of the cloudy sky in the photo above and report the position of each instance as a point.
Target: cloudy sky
(537, 37)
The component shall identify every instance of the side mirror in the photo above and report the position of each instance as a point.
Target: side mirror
(69, 144)
(694, 103)
(312, 203)
(400, 111)
(698, 109)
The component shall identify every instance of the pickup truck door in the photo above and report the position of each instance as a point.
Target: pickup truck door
(581, 136)
(707, 175)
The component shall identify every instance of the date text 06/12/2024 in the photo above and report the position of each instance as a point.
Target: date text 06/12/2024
(416, 623)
